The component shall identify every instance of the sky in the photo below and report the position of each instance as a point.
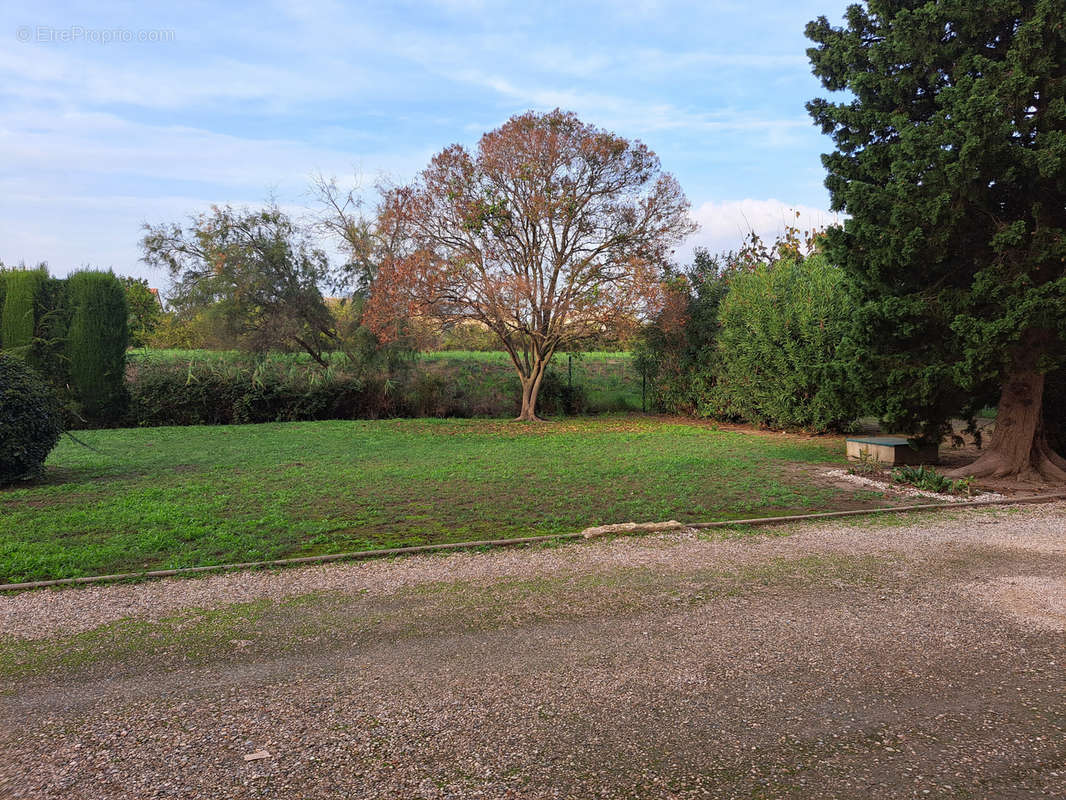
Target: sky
(113, 115)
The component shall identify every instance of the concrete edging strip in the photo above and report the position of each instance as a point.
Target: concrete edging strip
(588, 533)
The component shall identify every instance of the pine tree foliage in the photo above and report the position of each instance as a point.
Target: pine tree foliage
(950, 161)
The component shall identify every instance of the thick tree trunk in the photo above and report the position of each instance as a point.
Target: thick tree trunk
(530, 390)
(1019, 449)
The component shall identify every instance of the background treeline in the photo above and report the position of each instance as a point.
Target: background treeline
(91, 336)
(762, 335)
(751, 336)
(206, 329)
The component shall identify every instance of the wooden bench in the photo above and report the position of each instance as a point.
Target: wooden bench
(892, 451)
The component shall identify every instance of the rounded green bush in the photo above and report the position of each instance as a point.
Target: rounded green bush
(780, 327)
(31, 421)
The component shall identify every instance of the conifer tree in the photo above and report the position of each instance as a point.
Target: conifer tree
(950, 162)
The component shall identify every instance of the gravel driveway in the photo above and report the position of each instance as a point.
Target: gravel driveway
(917, 657)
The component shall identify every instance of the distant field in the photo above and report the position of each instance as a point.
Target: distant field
(609, 380)
(174, 497)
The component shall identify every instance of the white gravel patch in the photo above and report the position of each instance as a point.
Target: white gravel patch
(43, 613)
(908, 491)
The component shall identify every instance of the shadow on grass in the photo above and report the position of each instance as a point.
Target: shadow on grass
(61, 476)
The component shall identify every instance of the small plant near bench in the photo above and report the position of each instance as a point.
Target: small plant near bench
(867, 465)
(928, 479)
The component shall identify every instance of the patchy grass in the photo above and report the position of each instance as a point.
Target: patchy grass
(325, 620)
(195, 635)
(178, 497)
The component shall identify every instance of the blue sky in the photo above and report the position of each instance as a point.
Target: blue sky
(230, 103)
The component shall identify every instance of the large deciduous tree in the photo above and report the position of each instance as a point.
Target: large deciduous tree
(258, 270)
(951, 162)
(553, 231)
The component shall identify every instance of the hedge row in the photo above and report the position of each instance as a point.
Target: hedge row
(163, 393)
(755, 343)
(23, 293)
(96, 343)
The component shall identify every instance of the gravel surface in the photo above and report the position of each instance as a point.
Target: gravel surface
(923, 657)
(1031, 599)
(46, 613)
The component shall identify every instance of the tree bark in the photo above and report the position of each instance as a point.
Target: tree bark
(1019, 448)
(530, 389)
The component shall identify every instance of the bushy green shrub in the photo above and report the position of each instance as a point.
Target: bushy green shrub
(559, 398)
(780, 326)
(48, 352)
(34, 323)
(31, 420)
(96, 344)
(145, 311)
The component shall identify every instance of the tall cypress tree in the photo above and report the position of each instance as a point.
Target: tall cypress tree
(96, 344)
(22, 301)
(950, 160)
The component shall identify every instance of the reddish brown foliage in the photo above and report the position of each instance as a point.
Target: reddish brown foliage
(552, 232)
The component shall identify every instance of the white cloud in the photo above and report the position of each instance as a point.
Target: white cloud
(75, 231)
(98, 144)
(723, 226)
(56, 76)
(70, 232)
(659, 61)
(615, 112)
(96, 140)
(88, 181)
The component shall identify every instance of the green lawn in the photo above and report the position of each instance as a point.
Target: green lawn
(174, 497)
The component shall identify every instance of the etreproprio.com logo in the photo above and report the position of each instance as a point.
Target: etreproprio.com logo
(48, 34)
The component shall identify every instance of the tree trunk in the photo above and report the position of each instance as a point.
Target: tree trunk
(530, 389)
(1019, 448)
